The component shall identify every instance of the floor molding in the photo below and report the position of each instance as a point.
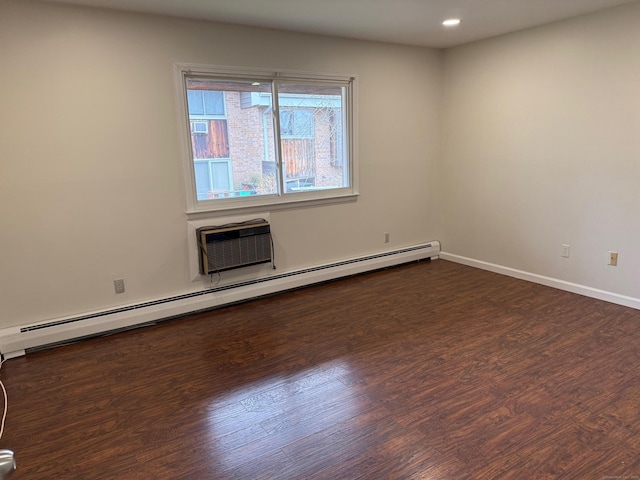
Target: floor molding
(591, 292)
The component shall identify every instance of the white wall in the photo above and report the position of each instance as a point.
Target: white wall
(542, 147)
(91, 184)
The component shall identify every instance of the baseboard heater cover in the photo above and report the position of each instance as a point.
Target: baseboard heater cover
(15, 341)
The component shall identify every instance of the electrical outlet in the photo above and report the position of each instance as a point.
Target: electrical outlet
(566, 250)
(118, 285)
(613, 259)
(386, 237)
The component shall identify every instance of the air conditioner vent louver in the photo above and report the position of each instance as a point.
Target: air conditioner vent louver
(234, 246)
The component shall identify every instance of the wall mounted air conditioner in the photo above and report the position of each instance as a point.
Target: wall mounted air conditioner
(233, 246)
(200, 127)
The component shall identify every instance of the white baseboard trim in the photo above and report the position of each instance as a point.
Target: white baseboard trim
(14, 341)
(548, 281)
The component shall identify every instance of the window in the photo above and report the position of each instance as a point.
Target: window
(260, 138)
(297, 122)
(200, 127)
(205, 103)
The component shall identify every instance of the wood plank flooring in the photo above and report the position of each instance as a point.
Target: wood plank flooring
(426, 371)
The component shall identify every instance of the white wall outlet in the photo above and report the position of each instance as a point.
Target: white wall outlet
(118, 285)
(613, 259)
(566, 250)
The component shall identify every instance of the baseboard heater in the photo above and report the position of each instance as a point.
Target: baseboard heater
(15, 341)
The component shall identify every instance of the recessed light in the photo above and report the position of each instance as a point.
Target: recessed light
(255, 84)
(451, 22)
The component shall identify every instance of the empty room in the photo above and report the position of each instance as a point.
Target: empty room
(341, 240)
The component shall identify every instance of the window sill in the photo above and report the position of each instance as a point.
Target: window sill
(230, 209)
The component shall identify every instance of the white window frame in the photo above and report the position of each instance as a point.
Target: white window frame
(320, 196)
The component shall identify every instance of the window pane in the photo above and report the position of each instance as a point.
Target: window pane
(297, 122)
(286, 122)
(213, 103)
(312, 136)
(240, 137)
(194, 99)
(203, 181)
(303, 122)
(220, 177)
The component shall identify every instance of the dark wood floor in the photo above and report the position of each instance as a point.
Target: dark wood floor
(425, 371)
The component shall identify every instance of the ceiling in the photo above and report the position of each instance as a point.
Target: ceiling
(411, 22)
